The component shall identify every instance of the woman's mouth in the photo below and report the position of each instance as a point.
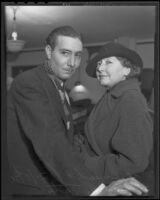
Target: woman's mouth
(103, 76)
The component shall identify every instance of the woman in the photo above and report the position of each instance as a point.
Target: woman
(119, 129)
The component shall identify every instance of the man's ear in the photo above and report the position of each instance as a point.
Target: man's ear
(48, 51)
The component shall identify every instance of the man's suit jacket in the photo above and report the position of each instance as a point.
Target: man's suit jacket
(40, 148)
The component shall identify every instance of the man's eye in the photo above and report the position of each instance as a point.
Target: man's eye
(65, 53)
(79, 55)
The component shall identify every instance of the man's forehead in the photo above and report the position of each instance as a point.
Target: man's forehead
(68, 42)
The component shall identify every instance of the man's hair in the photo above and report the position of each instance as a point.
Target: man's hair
(135, 70)
(62, 31)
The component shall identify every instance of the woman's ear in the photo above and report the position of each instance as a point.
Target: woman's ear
(127, 71)
(48, 51)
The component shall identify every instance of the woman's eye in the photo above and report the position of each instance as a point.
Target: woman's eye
(99, 63)
(108, 62)
(105, 62)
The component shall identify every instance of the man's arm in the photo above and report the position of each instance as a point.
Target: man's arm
(47, 134)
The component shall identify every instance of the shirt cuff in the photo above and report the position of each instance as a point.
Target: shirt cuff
(98, 190)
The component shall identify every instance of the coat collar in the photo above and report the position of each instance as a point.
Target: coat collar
(123, 86)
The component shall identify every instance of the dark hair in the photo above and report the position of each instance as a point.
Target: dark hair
(63, 31)
(135, 70)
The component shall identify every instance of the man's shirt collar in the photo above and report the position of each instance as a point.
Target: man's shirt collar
(59, 84)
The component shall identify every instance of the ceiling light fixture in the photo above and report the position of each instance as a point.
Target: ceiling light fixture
(79, 91)
(78, 87)
(14, 45)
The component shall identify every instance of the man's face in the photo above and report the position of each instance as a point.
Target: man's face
(65, 58)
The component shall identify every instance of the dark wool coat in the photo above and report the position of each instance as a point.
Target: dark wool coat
(119, 133)
(40, 149)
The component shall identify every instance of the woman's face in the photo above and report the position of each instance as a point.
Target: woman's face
(110, 71)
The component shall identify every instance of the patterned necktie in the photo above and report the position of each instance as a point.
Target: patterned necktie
(66, 104)
(63, 95)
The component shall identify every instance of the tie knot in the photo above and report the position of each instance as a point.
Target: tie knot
(62, 88)
(59, 85)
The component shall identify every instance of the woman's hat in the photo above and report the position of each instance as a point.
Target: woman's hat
(113, 49)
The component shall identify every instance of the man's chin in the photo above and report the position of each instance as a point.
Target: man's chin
(66, 77)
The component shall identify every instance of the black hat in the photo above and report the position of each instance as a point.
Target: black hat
(113, 49)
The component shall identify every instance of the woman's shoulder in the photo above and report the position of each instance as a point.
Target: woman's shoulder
(133, 97)
(134, 94)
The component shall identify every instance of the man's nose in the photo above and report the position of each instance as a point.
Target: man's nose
(71, 61)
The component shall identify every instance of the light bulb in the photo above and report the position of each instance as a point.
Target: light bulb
(79, 88)
(14, 35)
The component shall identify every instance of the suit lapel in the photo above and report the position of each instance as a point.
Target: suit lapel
(51, 91)
(54, 96)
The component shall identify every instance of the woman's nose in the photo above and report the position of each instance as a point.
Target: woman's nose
(100, 67)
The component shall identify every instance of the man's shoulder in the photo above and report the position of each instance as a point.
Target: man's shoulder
(30, 75)
(33, 78)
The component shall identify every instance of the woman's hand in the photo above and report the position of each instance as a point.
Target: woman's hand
(124, 187)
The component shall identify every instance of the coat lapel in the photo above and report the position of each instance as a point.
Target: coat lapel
(104, 112)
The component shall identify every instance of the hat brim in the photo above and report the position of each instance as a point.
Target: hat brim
(91, 67)
(114, 51)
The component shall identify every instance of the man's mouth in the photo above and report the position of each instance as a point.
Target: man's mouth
(69, 70)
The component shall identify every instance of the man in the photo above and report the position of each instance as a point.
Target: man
(42, 157)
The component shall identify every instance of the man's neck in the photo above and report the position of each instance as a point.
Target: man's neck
(59, 81)
(52, 74)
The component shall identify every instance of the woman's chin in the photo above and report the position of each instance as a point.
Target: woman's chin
(104, 83)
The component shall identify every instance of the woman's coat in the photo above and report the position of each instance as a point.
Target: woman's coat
(119, 133)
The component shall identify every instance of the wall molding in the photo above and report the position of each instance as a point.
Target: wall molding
(144, 41)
